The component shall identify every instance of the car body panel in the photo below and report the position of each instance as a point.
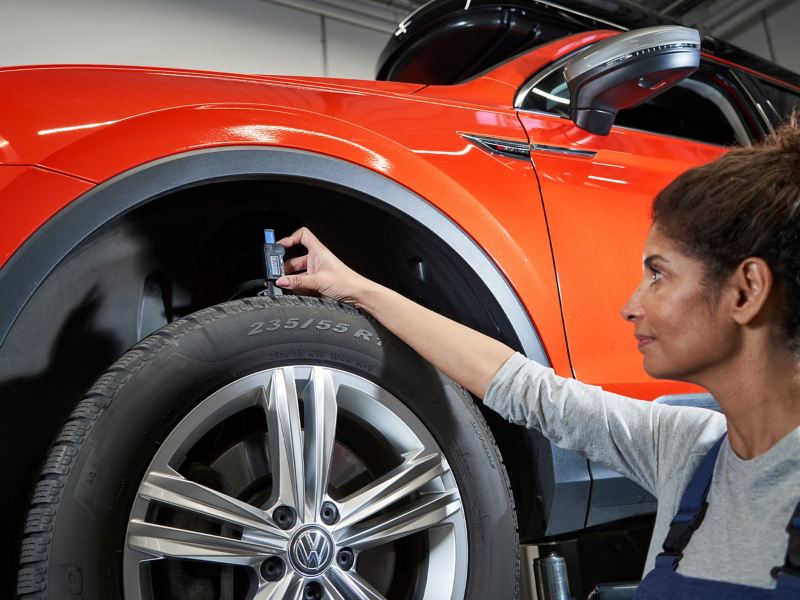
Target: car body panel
(495, 199)
(598, 212)
(31, 196)
(588, 202)
(55, 106)
(114, 119)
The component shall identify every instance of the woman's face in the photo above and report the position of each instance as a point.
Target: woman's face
(679, 328)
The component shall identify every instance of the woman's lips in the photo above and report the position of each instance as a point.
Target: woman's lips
(644, 340)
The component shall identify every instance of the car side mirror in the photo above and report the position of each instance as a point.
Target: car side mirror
(626, 70)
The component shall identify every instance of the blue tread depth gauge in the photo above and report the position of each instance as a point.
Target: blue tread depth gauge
(273, 264)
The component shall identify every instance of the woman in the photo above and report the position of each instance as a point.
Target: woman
(717, 306)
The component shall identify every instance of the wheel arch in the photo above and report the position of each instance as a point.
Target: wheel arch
(42, 252)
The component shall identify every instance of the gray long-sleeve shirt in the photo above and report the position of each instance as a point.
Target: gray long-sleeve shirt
(659, 447)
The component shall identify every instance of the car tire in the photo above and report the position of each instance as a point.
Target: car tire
(179, 472)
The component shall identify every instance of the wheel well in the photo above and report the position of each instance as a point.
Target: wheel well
(193, 247)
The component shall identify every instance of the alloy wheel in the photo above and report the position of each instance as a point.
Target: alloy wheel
(298, 482)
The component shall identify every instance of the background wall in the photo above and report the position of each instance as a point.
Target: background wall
(275, 36)
(764, 27)
(244, 36)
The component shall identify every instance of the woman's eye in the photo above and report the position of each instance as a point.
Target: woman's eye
(655, 275)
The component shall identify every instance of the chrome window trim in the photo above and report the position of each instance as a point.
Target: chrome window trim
(753, 101)
(539, 76)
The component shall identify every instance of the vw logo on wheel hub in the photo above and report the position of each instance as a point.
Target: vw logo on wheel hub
(311, 550)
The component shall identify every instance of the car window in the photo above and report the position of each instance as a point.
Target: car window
(779, 101)
(550, 94)
(694, 109)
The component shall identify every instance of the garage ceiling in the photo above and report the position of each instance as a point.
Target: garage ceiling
(673, 8)
(720, 17)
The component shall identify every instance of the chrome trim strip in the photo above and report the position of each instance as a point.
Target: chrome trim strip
(561, 150)
(753, 101)
(510, 148)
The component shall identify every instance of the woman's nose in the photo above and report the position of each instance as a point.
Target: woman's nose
(632, 310)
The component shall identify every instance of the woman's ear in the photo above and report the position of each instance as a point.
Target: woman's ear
(752, 283)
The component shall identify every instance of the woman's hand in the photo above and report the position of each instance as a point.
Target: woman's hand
(467, 356)
(319, 271)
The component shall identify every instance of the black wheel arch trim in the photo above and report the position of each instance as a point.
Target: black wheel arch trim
(40, 254)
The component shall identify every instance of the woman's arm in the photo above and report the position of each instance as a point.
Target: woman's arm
(630, 436)
(467, 356)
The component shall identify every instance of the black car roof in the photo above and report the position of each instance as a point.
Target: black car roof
(448, 41)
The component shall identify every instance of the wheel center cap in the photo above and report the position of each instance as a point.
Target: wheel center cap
(311, 550)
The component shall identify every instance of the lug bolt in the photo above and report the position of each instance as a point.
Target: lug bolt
(312, 591)
(345, 559)
(329, 513)
(284, 517)
(272, 569)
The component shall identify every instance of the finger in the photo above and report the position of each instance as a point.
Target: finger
(291, 240)
(302, 236)
(295, 265)
(299, 283)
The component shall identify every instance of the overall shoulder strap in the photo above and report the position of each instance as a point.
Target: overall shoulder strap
(691, 512)
(788, 575)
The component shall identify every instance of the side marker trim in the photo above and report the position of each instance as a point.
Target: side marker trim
(510, 148)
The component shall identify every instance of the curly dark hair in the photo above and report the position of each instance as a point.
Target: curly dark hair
(744, 204)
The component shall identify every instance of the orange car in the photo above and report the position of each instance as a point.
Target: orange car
(240, 445)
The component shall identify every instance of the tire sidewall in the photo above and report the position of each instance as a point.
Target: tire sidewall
(148, 391)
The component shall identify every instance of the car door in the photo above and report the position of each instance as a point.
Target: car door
(597, 192)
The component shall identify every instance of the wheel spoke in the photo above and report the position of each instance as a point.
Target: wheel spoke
(415, 472)
(349, 585)
(331, 591)
(175, 490)
(430, 510)
(319, 402)
(161, 541)
(285, 441)
(290, 587)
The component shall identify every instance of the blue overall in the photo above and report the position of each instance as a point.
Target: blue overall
(664, 583)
